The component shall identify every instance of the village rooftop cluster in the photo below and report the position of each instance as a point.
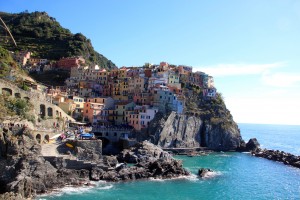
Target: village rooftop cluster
(126, 97)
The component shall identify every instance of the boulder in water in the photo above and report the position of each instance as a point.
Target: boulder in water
(204, 171)
(252, 145)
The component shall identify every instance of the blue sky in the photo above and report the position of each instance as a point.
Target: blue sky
(251, 47)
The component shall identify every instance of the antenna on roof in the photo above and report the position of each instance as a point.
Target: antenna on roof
(7, 29)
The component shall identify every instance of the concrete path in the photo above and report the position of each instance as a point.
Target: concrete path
(50, 149)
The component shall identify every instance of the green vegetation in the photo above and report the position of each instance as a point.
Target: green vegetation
(6, 62)
(211, 110)
(46, 38)
(8, 65)
(53, 78)
(10, 106)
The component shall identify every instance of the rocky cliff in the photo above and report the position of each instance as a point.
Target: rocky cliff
(24, 172)
(205, 123)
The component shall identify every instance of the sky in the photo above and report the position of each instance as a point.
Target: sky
(250, 47)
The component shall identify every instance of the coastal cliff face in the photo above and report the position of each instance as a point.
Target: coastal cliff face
(207, 123)
(24, 172)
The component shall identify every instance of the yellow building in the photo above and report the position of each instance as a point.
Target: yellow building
(68, 106)
(122, 73)
(103, 76)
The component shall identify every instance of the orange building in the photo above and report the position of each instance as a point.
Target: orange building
(68, 63)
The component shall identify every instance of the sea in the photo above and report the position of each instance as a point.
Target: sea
(236, 176)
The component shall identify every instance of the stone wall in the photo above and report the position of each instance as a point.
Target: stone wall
(42, 105)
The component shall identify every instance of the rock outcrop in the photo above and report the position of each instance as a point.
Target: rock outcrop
(204, 122)
(151, 162)
(203, 172)
(90, 150)
(279, 156)
(26, 173)
(188, 131)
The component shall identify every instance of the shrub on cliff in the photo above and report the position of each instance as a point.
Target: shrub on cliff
(15, 106)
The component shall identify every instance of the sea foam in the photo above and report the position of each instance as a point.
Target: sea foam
(213, 174)
(99, 185)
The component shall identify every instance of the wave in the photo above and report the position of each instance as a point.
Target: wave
(157, 179)
(99, 185)
(210, 175)
(105, 187)
(192, 177)
(223, 155)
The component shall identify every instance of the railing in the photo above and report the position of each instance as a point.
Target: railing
(99, 129)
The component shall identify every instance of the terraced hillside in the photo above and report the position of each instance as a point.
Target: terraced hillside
(46, 38)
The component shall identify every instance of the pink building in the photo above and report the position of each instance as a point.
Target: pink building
(22, 57)
(96, 110)
(91, 111)
(141, 116)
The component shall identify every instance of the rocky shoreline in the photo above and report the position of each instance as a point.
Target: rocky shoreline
(279, 156)
(26, 173)
(275, 155)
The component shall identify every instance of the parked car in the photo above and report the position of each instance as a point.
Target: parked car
(87, 136)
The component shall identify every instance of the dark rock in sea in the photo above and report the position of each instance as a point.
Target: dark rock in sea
(280, 156)
(203, 172)
(143, 152)
(151, 162)
(252, 145)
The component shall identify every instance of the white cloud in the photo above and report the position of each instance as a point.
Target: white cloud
(237, 69)
(281, 79)
(265, 110)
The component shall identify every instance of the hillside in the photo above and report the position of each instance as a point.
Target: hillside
(8, 66)
(46, 38)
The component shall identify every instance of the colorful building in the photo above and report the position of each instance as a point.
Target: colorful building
(141, 116)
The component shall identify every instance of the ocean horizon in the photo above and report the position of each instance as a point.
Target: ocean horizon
(236, 175)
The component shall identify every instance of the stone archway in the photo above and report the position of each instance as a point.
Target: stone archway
(18, 95)
(50, 112)
(42, 110)
(38, 138)
(7, 91)
(46, 139)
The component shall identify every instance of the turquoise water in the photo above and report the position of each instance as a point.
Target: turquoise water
(281, 137)
(238, 175)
